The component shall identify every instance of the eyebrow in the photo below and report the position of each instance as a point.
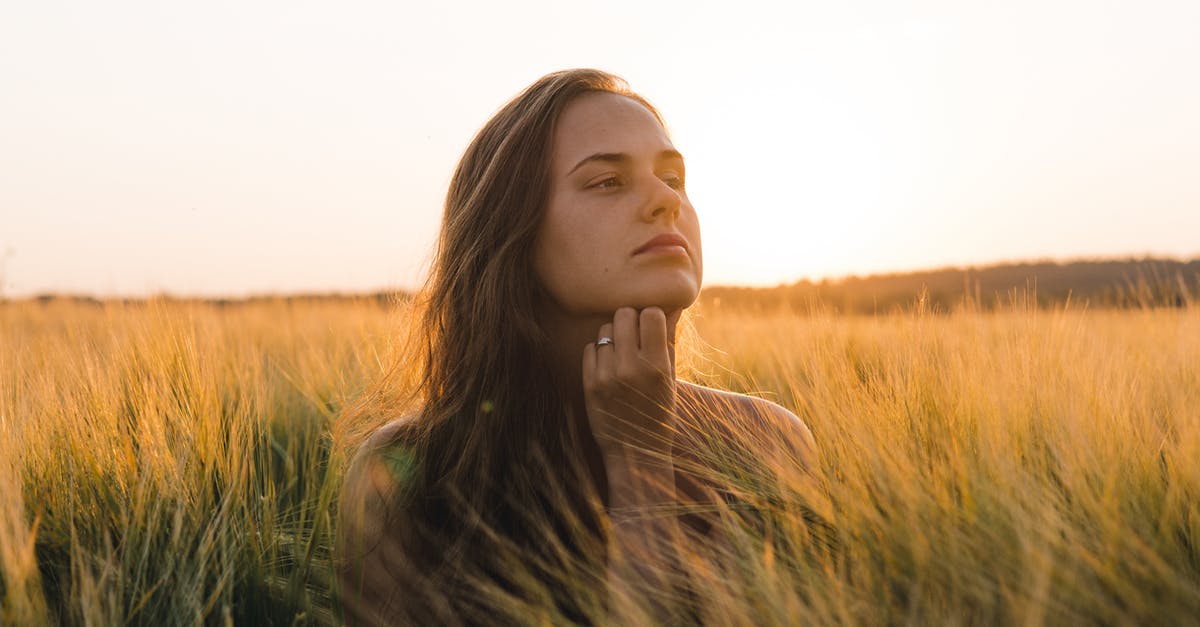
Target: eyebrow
(620, 157)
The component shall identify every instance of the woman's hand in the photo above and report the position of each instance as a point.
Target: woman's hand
(629, 385)
(629, 391)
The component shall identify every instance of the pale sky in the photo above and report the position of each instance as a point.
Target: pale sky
(230, 148)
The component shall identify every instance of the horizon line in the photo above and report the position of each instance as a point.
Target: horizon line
(401, 292)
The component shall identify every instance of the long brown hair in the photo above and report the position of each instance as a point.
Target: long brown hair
(487, 381)
(493, 453)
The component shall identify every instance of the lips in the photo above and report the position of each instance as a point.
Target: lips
(666, 239)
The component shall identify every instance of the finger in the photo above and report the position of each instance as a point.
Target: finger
(604, 355)
(625, 328)
(625, 334)
(653, 328)
(589, 367)
(673, 318)
(606, 331)
(672, 323)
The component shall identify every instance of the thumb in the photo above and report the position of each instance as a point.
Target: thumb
(673, 317)
(672, 323)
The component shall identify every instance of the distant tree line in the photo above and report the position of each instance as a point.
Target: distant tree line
(1124, 283)
(1118, 283)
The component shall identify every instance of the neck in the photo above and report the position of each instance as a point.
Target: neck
(568, 334)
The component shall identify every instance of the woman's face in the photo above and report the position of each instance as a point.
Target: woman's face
(616, 184)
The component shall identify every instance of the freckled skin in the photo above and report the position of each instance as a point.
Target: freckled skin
(601, 212)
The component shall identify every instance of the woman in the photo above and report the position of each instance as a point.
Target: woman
(546, 433)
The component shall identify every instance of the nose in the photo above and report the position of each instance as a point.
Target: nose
(664, 202)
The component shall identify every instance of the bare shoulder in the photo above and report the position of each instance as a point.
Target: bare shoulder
(370, 547)
(378, 466)
(378, 469)
(384, 438)
(768, 424)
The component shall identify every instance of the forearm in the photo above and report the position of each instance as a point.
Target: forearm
(642, 556)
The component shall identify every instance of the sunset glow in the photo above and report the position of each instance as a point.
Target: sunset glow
(232, 148)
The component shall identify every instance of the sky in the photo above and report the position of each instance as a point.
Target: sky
(235, 148)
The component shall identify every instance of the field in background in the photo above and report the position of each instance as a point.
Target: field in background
(170, 463)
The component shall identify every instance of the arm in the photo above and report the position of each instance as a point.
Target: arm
(802, 489)
(785, 440)
(785, 464)
(642, 536)
(374, 576)
(629, 390)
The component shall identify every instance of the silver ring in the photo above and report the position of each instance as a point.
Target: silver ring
(604, 341)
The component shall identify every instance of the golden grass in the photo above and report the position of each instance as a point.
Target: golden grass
(172, 463)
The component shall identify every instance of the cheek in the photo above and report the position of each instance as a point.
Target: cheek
(565, 246)
(576, 241)
(564, 251)
(694, 236)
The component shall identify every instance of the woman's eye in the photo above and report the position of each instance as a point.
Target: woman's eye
(607, 183)
(675, 182)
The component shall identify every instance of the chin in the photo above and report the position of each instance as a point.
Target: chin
(668, 295)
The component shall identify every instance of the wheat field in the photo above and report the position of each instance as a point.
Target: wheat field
(169, 463)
